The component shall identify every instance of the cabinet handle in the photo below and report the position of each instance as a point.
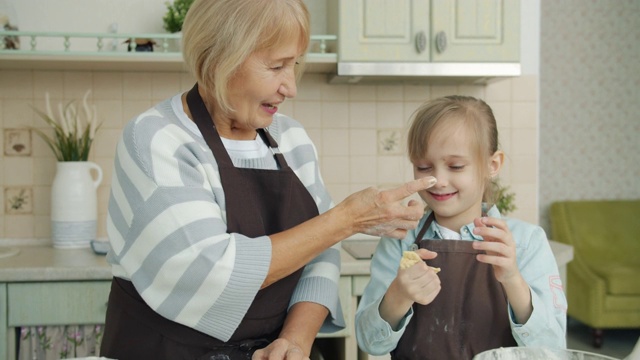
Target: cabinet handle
(441, 41)
(421, 42)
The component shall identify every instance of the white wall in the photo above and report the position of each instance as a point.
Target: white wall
(89, 15)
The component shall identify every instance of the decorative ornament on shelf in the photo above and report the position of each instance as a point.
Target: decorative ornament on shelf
(7, 22)
(74, 202)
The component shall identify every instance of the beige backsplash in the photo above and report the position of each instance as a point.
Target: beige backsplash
(359, 131)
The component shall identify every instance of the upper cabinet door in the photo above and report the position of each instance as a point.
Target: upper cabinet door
(381, 30)
(475, 31)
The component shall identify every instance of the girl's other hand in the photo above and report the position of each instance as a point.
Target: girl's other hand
(499, 246)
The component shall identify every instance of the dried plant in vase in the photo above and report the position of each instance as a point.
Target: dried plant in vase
(73, 129)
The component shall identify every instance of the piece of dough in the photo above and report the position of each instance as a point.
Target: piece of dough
(410, 258)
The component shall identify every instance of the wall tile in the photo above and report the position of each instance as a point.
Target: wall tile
(409, 108)
(335, 169)
(76, 84)
(524, 169)
(502, 112)
(389, 93)
(19, 226)
(363, 169)
(309, 113)
(48, 81)
(42, 200)
(477, 91)
(339, 192)
(310, 88)
(16, 84)
(390, 114)
(335, 92)
(524, 88)
(524, 142)
(438, 91)
(363, 142)
(335, 114)
(17, 113)
(136, 86)
(17, 171)
(107, 86)
(362, 115)
(390, 169)
(42, 224)
(104, 145)
(164, 85)
(109, 114)
(525, 115)
(417, 93)
(362, 92)
(44, 170)
(335, 142)
(499, 90)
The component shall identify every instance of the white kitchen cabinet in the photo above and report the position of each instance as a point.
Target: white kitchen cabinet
(426, 30)
(475, 30)
(379, 30)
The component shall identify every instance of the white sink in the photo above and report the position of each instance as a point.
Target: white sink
(6, 251)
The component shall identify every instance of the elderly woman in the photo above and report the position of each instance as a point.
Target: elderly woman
(224, 238)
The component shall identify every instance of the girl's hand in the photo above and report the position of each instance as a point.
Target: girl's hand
(419, 284)
(280, 349)
(499, 246)
(500, 251)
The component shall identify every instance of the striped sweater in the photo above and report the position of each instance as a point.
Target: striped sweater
(167, 224)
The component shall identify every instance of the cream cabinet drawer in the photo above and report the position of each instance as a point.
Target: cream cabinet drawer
(56, 303)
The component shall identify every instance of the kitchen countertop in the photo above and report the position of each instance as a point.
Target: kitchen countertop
(45, 263)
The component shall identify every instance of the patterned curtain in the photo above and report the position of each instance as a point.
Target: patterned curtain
(59, 342)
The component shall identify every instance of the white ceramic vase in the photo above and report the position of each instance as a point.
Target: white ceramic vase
(74, 204)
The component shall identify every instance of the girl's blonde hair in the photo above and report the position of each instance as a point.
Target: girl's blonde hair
(469, 112)
(219, 35)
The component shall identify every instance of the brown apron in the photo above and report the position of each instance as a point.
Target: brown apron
(258, 202)
(468, 316)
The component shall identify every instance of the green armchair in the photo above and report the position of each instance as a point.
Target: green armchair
(603, 280)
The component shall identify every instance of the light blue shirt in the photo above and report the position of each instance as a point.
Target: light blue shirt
(545, 328)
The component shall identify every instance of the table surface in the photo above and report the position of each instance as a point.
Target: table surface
(45, 263)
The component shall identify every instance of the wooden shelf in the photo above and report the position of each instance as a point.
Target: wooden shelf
(155, 62)
(59, 51)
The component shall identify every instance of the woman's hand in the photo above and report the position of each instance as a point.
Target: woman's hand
(417, 284)
(382, 213)
(280, 349)
(500, 251)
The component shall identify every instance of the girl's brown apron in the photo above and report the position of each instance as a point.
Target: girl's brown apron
(468, 316)
(258, 202)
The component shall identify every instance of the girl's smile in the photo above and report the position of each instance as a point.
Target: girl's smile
(442, 197)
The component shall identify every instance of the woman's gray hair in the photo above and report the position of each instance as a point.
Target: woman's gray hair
(219, 35)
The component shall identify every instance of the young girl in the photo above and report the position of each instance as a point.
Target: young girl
(499, 284)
